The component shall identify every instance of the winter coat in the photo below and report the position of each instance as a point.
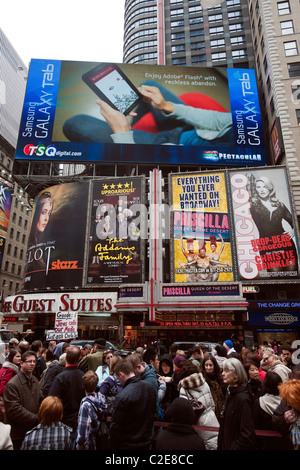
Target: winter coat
(198, 388)
(91, 408)
(263, 410)
(5, 439)
(7, 372)
(180, 433)
(49, 375)
(171, 388)
(22, 400)
(67, 385)
(131, 425)
(237, 431)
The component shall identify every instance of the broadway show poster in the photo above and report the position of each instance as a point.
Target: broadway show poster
(115, 248)
(201, 239)
(266, 234)
(6, 191)
(94, 111)
(55, 254)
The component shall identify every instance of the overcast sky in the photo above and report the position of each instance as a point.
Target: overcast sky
(89, 30)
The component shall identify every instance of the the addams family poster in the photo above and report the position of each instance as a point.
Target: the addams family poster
(116, 243)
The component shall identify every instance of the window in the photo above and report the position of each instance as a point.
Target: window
(287, 27)
(294, 69)
(283, 8)
(217, 43)
(295, 95)
(178, 48)
(290, 48)
(298, 116)
(218, 56)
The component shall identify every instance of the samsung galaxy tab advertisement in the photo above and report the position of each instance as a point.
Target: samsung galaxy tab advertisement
(106, 112)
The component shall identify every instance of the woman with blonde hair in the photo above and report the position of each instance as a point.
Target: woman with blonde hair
(50, 433)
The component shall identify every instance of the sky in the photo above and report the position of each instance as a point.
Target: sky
(89, 30)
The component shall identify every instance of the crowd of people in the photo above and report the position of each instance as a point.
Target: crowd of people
(59, 396)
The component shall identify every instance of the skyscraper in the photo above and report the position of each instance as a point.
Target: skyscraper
(275, 28)
(183, 32)
(13, 75)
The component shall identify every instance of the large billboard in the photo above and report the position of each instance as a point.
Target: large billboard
(105, 112)
(6, 191)
(55, 254)
(265, 228)
(87, 234)
(233, 225)
(200, 228)
(115, 247)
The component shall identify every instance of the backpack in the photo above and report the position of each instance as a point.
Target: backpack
(102, 433)
(198, 407)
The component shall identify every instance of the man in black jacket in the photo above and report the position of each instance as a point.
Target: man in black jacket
(67, 385)
(134, 410)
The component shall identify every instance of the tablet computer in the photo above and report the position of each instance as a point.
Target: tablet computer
(112, 86)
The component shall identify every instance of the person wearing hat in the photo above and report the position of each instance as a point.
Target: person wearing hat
(228, 344)
(180, 433)
(95, 359)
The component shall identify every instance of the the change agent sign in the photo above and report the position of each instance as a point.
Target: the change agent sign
(183, 114)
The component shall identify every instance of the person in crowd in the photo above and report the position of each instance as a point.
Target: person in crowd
(134, 410)
(279, 421)
(211, 372)
(60, 348)
(51, 372)
(5, 439)
(255, 385)
(254, 357)
(23, 346)
(67, 386)
(95, 359)
(286, 355)
(237, 431)
(111, 386)
(87, 349)
(264, 407)
(50, 433)
(192, 385)
(220, 354)
(180, 433)
(166, 374)
(228, 345)
(13, 343)
(177, 361)
(4, 350)
(290, 393)
(22, 397)
(92, 406)
(9, 369)
(196, 356)
(244, 353)
(103, 371)
(272, 362)
(139, 350)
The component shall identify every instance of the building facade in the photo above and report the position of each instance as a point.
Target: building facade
(171, 33)
(13, 75)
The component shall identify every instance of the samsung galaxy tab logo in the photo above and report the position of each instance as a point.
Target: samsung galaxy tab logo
(40, 150)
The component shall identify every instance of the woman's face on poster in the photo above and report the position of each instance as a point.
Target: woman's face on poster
(44, 216)
(262, 190)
